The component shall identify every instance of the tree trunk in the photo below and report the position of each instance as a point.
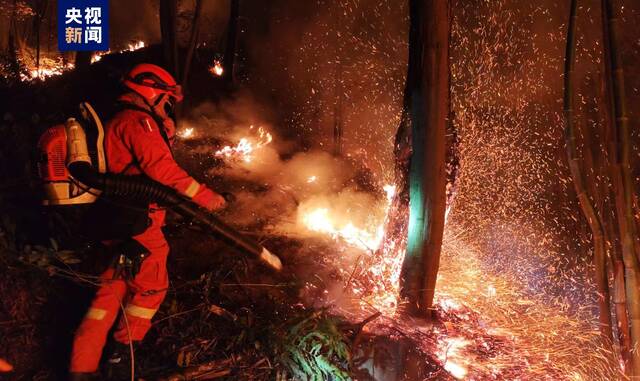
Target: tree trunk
(617, 264)
(169, 33)
(395, 231)
(193, 42)
(623, 181)
(578, 175)
(429, 109)
(14, 62)
(229, 60)
(83, 60)
(41, 8)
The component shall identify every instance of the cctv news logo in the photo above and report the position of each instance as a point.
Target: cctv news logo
(83, 25)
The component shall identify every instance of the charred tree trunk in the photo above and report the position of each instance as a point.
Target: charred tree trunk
(193, 42)
(429, 110)
(169, 33)
(397, 221)
(229, 60)
(622, 181)
(579, 182)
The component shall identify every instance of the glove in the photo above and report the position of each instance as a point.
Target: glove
(128, 259)
(209, 199)
(217, 202)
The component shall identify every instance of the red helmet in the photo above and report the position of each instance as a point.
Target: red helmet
(151, 81)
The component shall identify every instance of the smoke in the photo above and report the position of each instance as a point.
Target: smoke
(277, 187)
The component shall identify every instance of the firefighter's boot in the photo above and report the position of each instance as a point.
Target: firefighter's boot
(118, 364)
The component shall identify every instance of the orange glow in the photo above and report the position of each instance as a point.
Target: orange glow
(244, 150)
(216, 69)
(133, 46)
(48, 68)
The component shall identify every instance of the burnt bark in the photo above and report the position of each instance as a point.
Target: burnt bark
(427, 89)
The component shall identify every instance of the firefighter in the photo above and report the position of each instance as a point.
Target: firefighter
(138, 141)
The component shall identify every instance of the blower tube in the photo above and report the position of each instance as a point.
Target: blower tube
(141, 188)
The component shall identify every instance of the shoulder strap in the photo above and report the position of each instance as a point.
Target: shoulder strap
(128, 106)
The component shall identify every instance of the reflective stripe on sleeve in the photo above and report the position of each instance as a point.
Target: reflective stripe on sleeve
(192, 189)
(140, 312)
(96, 313)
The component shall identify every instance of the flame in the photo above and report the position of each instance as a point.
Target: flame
(452, 356)
(216, 69)
(367, 238)
(318, 220)
(312, 179)
(186, 133)
(48, 68)
(133, 46)
(246, 147)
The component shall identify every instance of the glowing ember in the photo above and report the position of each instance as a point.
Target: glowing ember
(186, 133)
(312, 179)
(390, 191)
(216, 69)
(451, 356)
(48, 68)
(246, 147)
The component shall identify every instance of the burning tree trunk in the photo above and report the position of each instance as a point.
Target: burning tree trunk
(169, 32)
(427, 89)
(229, 60)
(579, 182)
(622, 180)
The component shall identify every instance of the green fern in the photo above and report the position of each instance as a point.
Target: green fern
(315, 350)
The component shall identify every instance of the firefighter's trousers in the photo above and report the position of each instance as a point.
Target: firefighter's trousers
(140, 298)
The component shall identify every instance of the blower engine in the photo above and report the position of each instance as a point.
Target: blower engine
(71, 180)
(60, 144)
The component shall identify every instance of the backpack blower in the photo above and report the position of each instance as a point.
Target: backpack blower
(71, 180)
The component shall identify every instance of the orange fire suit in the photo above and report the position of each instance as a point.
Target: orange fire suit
(133, 137)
